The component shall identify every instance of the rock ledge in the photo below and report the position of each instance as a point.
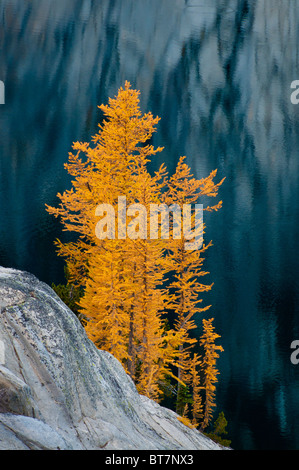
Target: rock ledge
(58, 391)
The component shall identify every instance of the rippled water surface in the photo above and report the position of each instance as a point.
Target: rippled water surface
(218, 73)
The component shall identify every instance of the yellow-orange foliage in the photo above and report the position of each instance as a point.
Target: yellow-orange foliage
(207, 341)
(123, 301)
(125, 298)
(195, 382)
(186, 265)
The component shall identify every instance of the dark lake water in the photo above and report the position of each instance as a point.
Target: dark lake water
(218, 73)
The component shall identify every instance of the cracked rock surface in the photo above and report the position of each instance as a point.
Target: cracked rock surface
(58, 391)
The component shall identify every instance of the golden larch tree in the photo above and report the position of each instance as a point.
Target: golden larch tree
(207, 341)
(187, 264)
(123, 302)
(119, 263)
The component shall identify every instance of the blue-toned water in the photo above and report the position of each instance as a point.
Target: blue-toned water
(218, 73)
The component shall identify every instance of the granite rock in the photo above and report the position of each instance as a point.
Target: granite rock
(58, 391)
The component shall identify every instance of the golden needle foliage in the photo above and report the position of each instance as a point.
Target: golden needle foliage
(132, 284)
(207, 340)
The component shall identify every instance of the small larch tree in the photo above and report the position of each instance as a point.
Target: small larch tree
(186, 265)
(207, 341)
(129, 278)
(123, 302)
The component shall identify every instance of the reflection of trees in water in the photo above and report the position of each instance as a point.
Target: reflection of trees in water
(216, 61)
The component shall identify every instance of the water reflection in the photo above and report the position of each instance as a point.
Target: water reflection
(218, 73)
